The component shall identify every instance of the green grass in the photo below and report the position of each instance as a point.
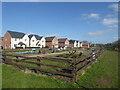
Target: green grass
(103, 74)
(61, 56)
(13, 78)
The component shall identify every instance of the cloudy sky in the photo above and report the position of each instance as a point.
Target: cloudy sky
(92, 21)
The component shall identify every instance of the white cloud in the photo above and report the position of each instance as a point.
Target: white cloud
(114, 7)
(98, 33)
(110, 22)
(91, 15)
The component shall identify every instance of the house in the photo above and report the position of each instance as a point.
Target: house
(85, 45)
(51, 42)
(36, 41)
(80, 44)
(63, 43)
(73, 43)
(24, 41)
(11, 39)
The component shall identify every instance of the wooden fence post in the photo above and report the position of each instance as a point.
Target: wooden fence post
(17, 58)
(17, 61)
(74, 72)
(38, 65)
(3, 58)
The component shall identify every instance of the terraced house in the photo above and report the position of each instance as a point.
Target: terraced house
(36, 41)
(13, 39)
(75, 43)
(51, 42)
(63, 43)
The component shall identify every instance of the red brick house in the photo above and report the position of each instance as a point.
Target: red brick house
(73, 43)
(63, 43)
(11, 38)
(51, 42)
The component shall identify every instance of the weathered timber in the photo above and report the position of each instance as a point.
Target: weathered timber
(85, 67)
(38, 63)
(44, 70)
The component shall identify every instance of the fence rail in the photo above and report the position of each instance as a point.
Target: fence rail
(72, 70)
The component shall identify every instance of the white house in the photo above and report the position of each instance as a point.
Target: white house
(81, 44)
(78, 43)
(36, 41)
(24, 42)
(13, 39)
(73, 43)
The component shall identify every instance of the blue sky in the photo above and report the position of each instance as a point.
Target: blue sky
(95, 22)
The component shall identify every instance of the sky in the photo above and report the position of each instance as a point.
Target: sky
(96, 22)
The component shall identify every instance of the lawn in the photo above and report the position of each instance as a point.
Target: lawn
(103, 74)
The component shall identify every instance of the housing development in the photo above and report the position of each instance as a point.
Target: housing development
(58, 44)
(13, 39)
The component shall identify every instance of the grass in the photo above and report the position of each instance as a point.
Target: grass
(62, 56)
(103, 74)
(13, 78)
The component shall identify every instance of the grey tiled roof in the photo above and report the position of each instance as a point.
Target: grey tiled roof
(72, 41)
(36, 36)
(49, 39)
(16, 34)
(62, 40)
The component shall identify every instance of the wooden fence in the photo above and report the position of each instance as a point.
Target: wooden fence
(73, 68)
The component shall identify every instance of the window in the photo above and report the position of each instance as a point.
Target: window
(15, 45)
(32, 40)
(42, 41)
(25, 39)
(15, 39)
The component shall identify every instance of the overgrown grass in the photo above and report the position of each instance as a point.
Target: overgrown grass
(103, 74)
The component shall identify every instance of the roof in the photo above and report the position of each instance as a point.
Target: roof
(77, 41)
(16, 34)
(36, 36)
(21, 43)
(72, 41)
(49, 39)
(85, 43)
(62, 40)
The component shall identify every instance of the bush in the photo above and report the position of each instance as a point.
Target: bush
(46, 47)
(19, 47)
(31, 47)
